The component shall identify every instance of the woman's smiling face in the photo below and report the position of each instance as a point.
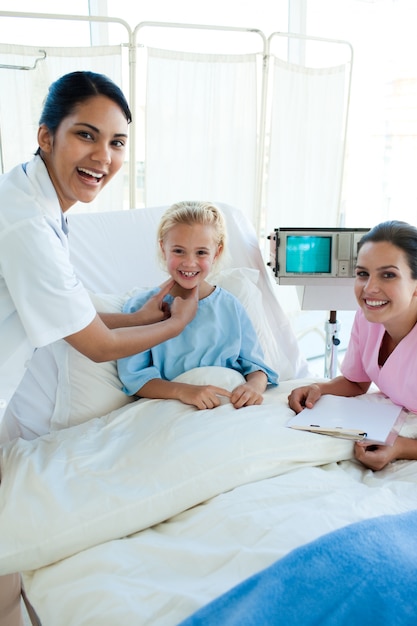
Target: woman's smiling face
(384, 287)
(189, 252)
(86, 150)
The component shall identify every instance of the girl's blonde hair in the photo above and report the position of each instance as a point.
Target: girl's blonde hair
(193, 212)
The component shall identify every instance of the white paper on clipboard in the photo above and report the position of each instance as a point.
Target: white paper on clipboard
(369, 416)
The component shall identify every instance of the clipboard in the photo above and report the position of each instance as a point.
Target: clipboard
(371, 417)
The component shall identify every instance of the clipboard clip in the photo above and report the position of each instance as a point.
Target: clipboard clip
(342, 433)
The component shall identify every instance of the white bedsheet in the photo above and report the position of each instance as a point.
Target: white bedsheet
(161, 575)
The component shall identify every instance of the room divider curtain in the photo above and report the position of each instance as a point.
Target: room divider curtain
(201, 128)
(25, 75)
(250, 129)
(304, 168)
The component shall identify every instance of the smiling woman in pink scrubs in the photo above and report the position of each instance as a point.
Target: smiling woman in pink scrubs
(383, 344)
(82, 139)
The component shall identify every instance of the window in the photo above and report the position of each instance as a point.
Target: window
(379, 175)
(53, 33)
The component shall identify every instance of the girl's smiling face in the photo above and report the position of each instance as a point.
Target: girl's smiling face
(86, 150)
(384, 287)
(190, 251)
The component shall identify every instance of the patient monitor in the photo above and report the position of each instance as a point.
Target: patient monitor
(320, 262)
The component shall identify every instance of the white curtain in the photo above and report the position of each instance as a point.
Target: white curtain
(304, 170)
(22, 92)
(201, 128)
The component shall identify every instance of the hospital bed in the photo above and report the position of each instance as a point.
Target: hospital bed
(142, 512)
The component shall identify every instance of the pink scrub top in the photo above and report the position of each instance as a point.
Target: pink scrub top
(397, 378)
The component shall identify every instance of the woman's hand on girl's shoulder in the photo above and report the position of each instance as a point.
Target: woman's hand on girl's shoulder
(184, 309)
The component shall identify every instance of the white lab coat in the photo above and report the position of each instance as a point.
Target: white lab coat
(41, 299)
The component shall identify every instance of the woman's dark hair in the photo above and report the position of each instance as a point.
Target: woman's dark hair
(72, 89)
(401, 234)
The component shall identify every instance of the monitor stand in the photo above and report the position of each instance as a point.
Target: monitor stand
(332, 328)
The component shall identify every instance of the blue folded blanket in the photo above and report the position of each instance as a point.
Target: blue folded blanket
(364, 574)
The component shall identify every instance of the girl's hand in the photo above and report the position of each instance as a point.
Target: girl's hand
(202, 396)
(245, 395)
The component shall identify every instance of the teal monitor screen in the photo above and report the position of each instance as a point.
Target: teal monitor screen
(308, 254)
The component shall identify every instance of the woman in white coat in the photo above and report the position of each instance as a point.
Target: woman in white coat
(82, 139)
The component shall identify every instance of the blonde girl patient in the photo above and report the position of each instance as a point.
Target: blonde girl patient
(192, 238)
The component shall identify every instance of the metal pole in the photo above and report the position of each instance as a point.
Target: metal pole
(332, 328)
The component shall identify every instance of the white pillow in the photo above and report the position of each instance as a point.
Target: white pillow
(213, 375)
(242, 283)
(87, 389)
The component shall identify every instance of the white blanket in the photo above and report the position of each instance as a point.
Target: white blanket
(139, 466)
(206, 497)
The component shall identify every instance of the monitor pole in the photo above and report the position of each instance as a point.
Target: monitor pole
(332, 328)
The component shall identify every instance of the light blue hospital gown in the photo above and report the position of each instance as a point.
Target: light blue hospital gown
(221, 334)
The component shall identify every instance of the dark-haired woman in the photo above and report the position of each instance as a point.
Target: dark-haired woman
(383, 344)
(82, 139)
